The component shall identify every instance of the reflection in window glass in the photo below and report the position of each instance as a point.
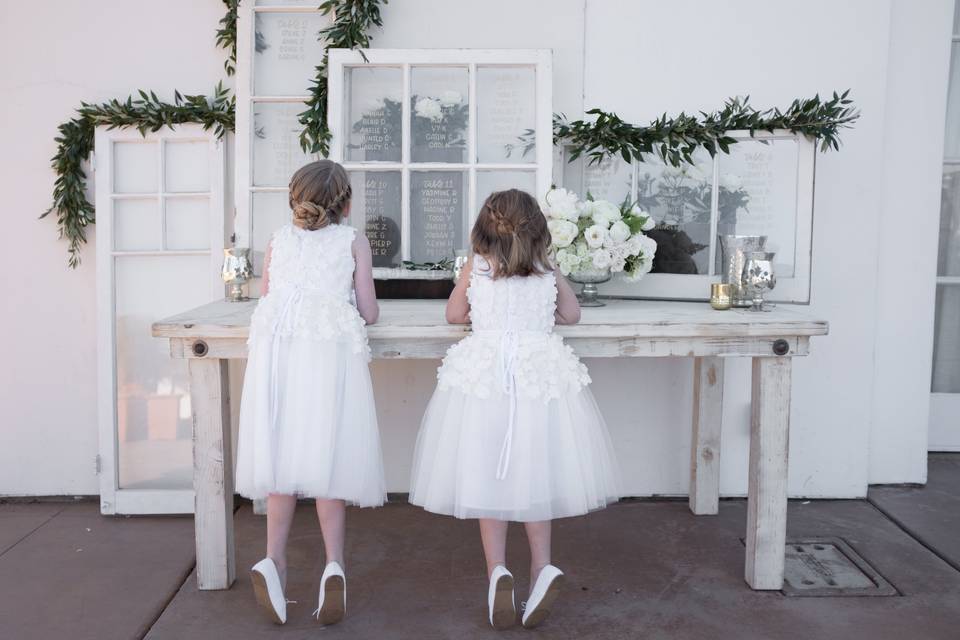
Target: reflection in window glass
(286, 52)
(490, 181)
(373, 113)
(948, 257)
(951, 147)
(610, 179)
(506, 114)
(437, 205)
(439, 114)
(270, 210)
(679, 199)
(154, 425)
(376, 197)
(758, 196)
(276, 143)
(946, 345)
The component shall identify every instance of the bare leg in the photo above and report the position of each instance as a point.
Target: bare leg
(280, 509)
(538, 536)
(333, 521)
(493, 534)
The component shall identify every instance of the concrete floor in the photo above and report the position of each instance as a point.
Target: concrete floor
(640, 569)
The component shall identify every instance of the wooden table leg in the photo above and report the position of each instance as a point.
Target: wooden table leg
(767, 490)
(705, 442)
(212, 473)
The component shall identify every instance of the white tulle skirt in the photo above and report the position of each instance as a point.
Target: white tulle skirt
(561, 459)
(324, 442)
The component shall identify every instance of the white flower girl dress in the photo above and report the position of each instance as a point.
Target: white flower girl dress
(308, 425)
(512, 431)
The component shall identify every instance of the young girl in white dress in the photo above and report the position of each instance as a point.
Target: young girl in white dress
(308, 426)
(512, 431)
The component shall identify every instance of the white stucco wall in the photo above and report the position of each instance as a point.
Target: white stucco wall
(861, 398)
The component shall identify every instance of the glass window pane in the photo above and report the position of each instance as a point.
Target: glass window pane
(376, 196)
(946, 340)
(135, 167)
(506, 114)
(436, 214)
(758, 196)
(269, 211)
(187, 223)
(276, 143)
(154, 426)
(185, 166)
(948, 262)
(610, 179)
(490, 181)
(439, 112)
(679, 200)
(373, 113)
(136, 224)
(956, 18)
(286, 52)
(951, 148)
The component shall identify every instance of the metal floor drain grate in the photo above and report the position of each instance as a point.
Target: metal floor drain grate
(830, 567)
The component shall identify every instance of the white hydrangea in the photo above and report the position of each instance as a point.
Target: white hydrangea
(428, 108)
(450, 98)
(560, 204)
(562, 232)
(595, 236)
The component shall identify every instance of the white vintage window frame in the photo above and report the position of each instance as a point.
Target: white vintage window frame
(114, 499)
(542, 165)
(245, 187)
(673, 286)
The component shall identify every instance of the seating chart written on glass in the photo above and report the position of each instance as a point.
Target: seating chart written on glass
(436, 212)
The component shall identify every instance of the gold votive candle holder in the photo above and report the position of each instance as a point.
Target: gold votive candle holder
(720, 296)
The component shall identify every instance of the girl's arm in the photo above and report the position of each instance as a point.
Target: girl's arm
(568, 308)
(458, 307)
(265, 281)
(363, 280)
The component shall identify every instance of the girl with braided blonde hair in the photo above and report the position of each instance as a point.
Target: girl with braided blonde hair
(512, 432)
(308, 426)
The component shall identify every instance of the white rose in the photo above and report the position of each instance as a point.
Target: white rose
(561, 204)
(648, 223)
(633, 246)
(595, 235)
(604, 213)
(582, 249)
(428, 108)
(619, 231)
(567, 262)
(450, 98)
(373, 104)
(617, 264)
(562, 232)
(602, 259)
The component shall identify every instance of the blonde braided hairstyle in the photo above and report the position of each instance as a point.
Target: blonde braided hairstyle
(319, 194)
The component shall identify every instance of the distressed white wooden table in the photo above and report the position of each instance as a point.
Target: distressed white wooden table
(210, 335)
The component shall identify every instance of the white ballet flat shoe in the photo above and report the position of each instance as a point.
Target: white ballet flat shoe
(269, 590)
(541, 598)
(500, 602)
(333, 595)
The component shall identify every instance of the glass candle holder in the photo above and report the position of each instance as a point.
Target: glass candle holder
(720, 296)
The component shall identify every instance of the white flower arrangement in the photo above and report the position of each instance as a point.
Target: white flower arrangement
(597, 235)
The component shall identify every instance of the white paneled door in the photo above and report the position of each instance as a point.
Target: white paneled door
(160, 238)
(945, 385)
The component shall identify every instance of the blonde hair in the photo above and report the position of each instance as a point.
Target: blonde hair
(319, 194)
(511, 232)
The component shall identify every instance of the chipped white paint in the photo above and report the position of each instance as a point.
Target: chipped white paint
(212, 334)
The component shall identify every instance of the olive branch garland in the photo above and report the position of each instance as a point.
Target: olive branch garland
(673, 139)
(351, 21)
(145, 113)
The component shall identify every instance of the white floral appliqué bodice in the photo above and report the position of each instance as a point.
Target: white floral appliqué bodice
(512, 345)
(311, 288)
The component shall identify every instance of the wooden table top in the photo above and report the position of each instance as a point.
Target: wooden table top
(620, 318)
